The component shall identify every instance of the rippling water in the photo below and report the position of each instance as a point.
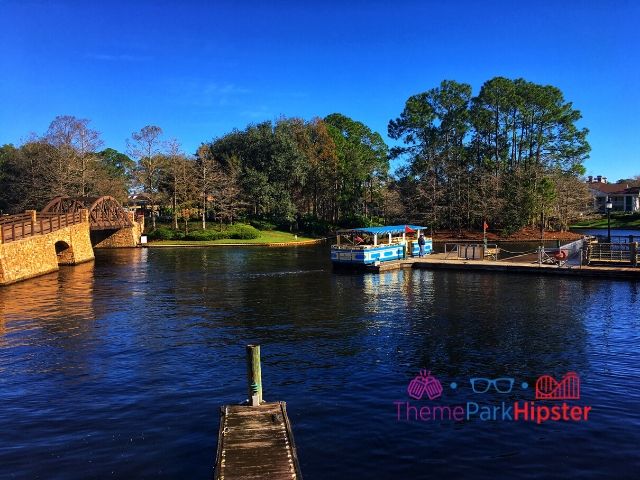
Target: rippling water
(117, 369)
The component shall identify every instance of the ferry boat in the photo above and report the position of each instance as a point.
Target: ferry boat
(374, 245)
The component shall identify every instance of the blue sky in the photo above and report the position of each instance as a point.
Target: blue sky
(199, 69)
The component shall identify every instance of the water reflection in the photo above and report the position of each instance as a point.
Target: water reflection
(132, 356)
(67, 293)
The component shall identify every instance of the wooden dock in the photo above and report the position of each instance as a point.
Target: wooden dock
(256, 443)
(439, 261)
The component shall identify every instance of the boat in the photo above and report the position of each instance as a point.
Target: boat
(370, 246)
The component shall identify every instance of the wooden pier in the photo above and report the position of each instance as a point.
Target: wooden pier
(255, 441)
(524, 264)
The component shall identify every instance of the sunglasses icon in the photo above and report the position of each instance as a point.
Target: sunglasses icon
(482, 385)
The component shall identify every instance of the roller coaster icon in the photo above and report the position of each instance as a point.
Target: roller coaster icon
(548, 388)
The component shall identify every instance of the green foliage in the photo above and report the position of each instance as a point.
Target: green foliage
(363, 164)
(262, 224)
(238, 231)
(32, 175)
(327, 168)
(505, 156)
(206, 235)
(357, 220)
(117, 164)
(243, 232)
(512, 155)
(162, 233)
(315, 226)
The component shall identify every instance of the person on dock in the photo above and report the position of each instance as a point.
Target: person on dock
(421, 244)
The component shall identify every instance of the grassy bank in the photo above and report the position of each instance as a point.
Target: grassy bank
(265, 236)
(624, 221)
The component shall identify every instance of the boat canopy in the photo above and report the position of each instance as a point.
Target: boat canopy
(392, 229)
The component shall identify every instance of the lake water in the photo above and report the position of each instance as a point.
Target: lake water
(602, 232)
(118, 368)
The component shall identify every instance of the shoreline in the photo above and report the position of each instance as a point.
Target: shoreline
(468, 238)
(204, 244)
(605, 228)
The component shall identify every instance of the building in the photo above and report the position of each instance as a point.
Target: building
(625, 197)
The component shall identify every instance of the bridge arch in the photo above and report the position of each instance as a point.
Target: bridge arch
(64, 253)
(63, 204)
(105, 212)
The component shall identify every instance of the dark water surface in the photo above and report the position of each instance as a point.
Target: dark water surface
(602, 232)
(117, 369)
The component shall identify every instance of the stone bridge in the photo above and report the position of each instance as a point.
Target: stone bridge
(111, 225)
(64, 233)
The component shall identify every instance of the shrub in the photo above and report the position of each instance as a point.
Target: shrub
(162, 233)
(357, 220)
(243, 232)
(262, 225)
(206, 235)
(314, 225)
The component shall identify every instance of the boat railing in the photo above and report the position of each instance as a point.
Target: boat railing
(365, 246)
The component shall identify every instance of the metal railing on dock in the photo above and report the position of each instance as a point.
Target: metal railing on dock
(618, 253)
(256, 440)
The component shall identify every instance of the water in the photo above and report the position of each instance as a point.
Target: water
(117, 369)
(602, 232)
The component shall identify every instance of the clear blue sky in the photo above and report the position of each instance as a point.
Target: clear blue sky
(198, 69)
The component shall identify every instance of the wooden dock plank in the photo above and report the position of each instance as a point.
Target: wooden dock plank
(256, 443)
(439, 261)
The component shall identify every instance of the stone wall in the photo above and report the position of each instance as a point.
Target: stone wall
(125, 237)
(37, 255)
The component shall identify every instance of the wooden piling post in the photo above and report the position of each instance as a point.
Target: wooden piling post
(254, 375)
(633, 251)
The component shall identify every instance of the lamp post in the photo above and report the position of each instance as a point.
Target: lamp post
(609, 206)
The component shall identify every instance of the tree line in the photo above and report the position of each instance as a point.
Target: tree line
(511, 156)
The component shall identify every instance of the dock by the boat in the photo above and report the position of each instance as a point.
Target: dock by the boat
(439, 261)
(256, 443)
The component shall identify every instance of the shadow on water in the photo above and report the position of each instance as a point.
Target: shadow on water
(117, 368)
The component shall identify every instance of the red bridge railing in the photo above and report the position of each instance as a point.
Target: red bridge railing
(29, 224)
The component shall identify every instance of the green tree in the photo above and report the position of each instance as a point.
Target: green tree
(29, 177)
(523, 132)
(498, 156)
(363, 164)
(433, 127)
(114, 174)
(271, 167)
